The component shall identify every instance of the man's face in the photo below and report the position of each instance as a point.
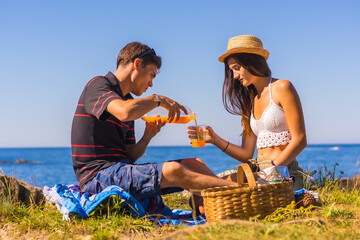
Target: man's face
(142, 78)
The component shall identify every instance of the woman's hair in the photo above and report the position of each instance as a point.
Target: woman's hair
(135, 50)
(237, 99)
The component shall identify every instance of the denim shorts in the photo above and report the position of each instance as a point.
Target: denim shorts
(140, 180)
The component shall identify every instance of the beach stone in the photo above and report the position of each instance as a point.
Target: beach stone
(20, 191)
(20, 160)
(352, 183)
(5, 161)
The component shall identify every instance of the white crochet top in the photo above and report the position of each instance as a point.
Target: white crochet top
(271, 129)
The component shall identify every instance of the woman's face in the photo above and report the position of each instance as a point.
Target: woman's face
(240, 73)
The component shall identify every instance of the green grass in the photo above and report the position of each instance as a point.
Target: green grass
(48, 219)
(322, 177)
(338, 217)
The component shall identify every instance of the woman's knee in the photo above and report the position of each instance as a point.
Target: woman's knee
(230, 177)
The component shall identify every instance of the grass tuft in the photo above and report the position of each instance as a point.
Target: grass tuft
(322, 177)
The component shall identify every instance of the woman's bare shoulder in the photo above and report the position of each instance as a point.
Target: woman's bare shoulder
(282, 85)
(283, 90)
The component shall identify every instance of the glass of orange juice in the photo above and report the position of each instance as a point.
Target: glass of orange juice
(198, 137)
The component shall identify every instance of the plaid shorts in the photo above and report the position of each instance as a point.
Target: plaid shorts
(140, 180)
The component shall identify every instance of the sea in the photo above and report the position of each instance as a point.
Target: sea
(49, 166)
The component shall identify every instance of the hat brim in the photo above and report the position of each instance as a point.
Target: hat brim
(262, 52)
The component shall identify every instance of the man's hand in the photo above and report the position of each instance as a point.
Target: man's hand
(135, 151)
(173, 107)
(152, 128)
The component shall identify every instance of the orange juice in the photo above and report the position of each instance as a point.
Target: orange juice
(182, 120)
(200, 140)
(196, 127)
(198, 143)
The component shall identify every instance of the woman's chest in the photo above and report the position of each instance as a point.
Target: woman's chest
(260, 105)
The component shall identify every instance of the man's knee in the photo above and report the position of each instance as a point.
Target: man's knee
(172, 169)
(199, 160)
(192, 161)
(172, 175)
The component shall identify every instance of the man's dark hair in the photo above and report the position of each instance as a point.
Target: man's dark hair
(135, 50)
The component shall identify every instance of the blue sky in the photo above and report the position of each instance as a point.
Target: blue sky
(50, 49)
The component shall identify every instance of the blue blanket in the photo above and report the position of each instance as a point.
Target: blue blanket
(70, 200)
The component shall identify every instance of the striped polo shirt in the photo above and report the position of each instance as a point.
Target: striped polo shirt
(98, 139)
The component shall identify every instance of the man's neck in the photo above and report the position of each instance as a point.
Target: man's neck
(123, 75)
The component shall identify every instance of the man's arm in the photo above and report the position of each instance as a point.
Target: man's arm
(133, 109)
(135, 151)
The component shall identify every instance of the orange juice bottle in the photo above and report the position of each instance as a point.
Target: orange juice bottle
(160, 113)
(182, 120)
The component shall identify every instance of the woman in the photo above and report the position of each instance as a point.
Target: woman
(270, 110)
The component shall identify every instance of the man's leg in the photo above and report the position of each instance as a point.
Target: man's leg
(197, 165)
(182, 175)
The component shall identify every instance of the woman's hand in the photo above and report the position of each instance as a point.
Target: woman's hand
(210, 135)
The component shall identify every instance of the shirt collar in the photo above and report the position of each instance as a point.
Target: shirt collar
(115, 82)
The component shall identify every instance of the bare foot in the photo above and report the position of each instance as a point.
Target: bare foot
(199, 204)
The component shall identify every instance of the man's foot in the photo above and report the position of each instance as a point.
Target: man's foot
(199, 205)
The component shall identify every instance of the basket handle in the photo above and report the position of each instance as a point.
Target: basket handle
(245, 168)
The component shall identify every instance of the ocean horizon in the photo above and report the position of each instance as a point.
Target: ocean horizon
(47, 166)
(312, 144)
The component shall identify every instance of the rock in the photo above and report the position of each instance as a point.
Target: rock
(21, 160)
(350, 182)
(20, 191)
(5, 161)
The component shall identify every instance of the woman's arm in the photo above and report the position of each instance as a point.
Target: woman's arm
(242, 154)
(286, 95)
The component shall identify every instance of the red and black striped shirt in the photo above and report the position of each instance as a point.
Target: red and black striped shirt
(98, 139)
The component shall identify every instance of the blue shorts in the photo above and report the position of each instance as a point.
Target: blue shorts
(140, 180)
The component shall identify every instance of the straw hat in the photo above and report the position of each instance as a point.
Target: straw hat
(245, 44)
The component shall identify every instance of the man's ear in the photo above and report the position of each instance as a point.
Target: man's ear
(137, 63)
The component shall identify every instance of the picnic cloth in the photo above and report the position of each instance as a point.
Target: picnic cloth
(70, 200)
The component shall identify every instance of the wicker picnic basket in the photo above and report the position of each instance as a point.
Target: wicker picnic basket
(247, 199)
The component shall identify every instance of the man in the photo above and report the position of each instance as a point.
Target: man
(104, 150)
